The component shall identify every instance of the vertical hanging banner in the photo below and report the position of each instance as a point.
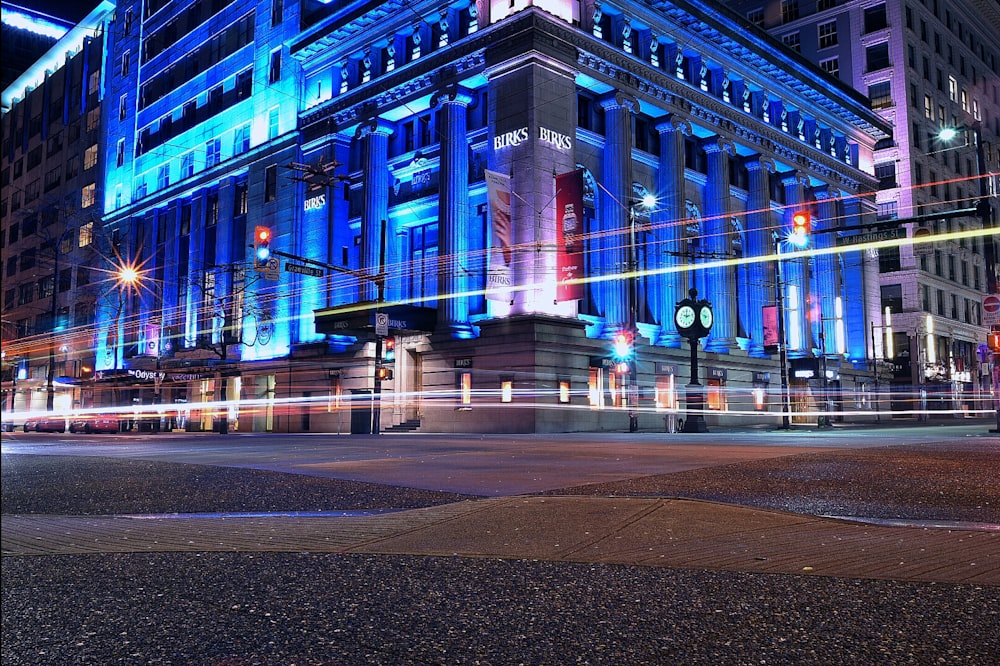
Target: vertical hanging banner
(498, 276)
(569, 236)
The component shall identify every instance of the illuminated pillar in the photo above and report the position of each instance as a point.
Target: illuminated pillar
(375, 206)
(669, 220)
(860, 283)
(616, 201)
(720, 281)
(759, 244)
(794, 269)
(826, 268)
(453, 211)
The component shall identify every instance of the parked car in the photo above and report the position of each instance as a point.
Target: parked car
(89, 424)
(50, 424)
(30, 425)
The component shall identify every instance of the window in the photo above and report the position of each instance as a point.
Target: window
(827, 34)
(892, 296)
(756, 16)
(274, 72)
(86, 236)
(93, 119)
(126, 61)
(212, 153)
(793, 41)
(886, 174)
(789, 10)
(875, 18)
(277, 9)
(163, 177)
(90, 157)
(880, 94)
(831, 66)
(272, 123)
(120, 152)
(94, 82)
(877, 56)
(928, 107)
(952, 89)
(122, 107)
(271, 182)
(88, 196)
(187, 164)
(241, 139)
(965, 100)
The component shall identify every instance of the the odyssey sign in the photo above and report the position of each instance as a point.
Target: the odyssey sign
(312, 203)
(545, 135)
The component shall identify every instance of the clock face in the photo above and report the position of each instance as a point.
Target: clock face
(706, 317)
(684, 317)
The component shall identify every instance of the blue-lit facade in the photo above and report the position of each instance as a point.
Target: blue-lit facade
(361, 133)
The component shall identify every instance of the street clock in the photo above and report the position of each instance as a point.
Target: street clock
(693, 316)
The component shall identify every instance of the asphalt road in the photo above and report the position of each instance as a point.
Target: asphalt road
(307, 607)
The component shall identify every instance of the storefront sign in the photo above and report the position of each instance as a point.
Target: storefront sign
(463, 362)
(666, 368)
(547, 136)
(314, 203)
(762, 378)
(715, 373)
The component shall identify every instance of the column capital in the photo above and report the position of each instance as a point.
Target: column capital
(759, 162)
(716, 144)
(825, 191)
(617, 99)
(453, 94)
(673, 123)
(794, 177)
(374, 126)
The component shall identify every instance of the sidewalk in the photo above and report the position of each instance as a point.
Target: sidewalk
(676, 533)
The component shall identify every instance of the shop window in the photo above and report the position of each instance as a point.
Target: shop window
(716, 397)
(564, 392)
(464, 385)
(506, 390)
(595, 388)
(666, 393)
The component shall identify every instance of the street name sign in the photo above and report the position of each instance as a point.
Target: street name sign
(304, 270)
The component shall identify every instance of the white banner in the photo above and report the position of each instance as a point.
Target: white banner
(498, 276)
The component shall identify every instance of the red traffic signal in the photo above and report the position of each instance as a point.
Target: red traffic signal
(261, 247)
(622, 345)
(801, 227)
(383, 373)
(389, 350)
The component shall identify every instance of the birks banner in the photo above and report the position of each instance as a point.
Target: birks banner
(501, 249)
(569, 236)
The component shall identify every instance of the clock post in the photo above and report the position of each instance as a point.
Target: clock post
(694, 318)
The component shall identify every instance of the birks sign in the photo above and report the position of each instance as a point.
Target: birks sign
(545, 135)
(313, 203)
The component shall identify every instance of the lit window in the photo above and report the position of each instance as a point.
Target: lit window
(88, 196)
(564, 394)
(90, 157)
(465, 389)
(86, 234)
(828, 34)
(506, 390)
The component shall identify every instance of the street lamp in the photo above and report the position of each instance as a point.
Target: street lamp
(647, 202)
(984, 211)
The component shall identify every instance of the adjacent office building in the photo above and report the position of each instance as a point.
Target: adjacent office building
(472, 202)
(926, 65)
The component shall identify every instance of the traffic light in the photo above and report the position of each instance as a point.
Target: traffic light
(261, 247)
(994, 341)
(801, 228)
(622, 346)
(383, 373)
(389, 350)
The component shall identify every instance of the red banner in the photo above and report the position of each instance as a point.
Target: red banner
(569, 236)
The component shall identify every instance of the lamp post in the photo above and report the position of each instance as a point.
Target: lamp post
(985, 213)
(647, 202)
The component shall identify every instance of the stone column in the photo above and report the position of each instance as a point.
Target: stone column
(720, 281)
(453, 211)
(760, 243)
(826, 268)
(794, 270)
(375, 207)
(860, 284)
(669, 221)
(615, 207)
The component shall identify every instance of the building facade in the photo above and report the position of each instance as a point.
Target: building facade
(926, 65)
(53, 248)
(411, 165)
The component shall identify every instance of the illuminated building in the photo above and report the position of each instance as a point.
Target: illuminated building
(26, 35)
(362, 136)
(925, 65)
(51, 230)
